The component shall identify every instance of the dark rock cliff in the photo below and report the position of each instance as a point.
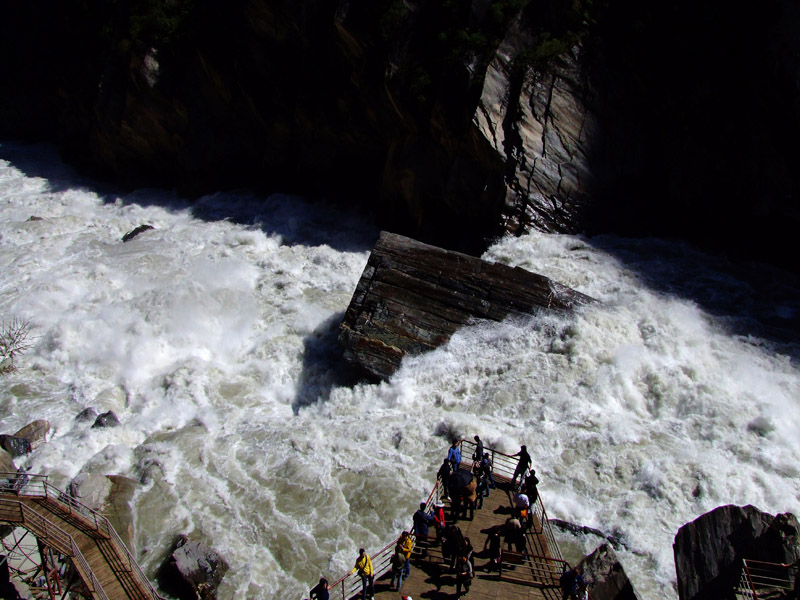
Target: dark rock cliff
(451, 121)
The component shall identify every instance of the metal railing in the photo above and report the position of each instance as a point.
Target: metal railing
(761, 579)
(24, 484)
(503, 465)
(532, 569)
(56, 537)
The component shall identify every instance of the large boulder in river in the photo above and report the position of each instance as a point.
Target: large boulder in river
(35, 432)
(109, 495)
(605, 577)
(412, 297)
(709, 550)
(192, 571)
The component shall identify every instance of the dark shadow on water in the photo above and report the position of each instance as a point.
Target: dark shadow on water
(296, 220)
(323, 367)
(756, 301)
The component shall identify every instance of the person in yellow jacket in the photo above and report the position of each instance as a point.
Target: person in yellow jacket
(406, 543)
(365, 571)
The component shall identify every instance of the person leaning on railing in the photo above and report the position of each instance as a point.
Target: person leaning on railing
(366, 572)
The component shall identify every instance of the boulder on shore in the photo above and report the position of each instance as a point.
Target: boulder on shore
(412, 297)
(709, 550)
(192, 571)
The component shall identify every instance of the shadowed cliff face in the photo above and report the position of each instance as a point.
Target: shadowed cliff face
(451, 121)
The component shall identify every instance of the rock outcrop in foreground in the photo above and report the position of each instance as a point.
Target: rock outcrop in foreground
(710, 549)
(412, 297)
(605, 576)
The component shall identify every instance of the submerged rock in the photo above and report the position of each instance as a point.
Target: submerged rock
(133, 233)
(710, 549)
(412, 297)
(107, 419)
(192, 571)
(87, 414)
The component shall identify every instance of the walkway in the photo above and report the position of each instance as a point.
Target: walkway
(104, 564)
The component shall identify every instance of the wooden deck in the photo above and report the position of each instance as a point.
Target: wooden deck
(431, 578)
(101, 559)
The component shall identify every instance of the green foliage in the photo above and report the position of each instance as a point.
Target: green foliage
(13, 342)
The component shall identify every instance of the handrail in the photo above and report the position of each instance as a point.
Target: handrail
(764, 576)
(34, 485)
(43, 528)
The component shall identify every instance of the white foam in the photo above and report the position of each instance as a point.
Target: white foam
(212, 335)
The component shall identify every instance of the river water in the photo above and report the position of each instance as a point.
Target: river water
(212, 337)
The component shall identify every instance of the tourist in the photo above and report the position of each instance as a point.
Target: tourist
(407, 544)
(398, 562)
(443, 475)
(464, 575)
(514, 535)
(478, 455)
(422, 521)
(493, 542)
(365, 571)
(454, 456)
(320, 591)
(522, 507)
(571, 582)
(482, 490)
(531, 481)
(486, 467)
(522, 466)
(438, 519)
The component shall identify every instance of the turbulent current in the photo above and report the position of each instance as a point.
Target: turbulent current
(212, 336)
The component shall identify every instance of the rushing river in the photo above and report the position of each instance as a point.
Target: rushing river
(212, 337)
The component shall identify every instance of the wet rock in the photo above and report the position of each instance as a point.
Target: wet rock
(192, 571)
(35, 432)
(709, 550)
(412, 297)
(107, 419)
(15, 446)
(7, 462)
(87, 414)
(109, 495)
(605, 577)
(133, 233)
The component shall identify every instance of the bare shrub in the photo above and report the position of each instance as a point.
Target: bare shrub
(13, 342)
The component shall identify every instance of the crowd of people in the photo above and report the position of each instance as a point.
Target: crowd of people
(465, 489)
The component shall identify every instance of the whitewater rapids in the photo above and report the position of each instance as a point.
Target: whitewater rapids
(212, 337)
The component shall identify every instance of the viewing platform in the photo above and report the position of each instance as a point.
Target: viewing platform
(532, 574)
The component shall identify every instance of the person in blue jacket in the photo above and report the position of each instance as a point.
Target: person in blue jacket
(422, 521)
(454, 456)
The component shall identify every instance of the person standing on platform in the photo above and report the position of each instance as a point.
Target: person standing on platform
(364, 568)
(486, 467)
(531, 481)
(522, 466)
(464, 575)
(422, 521)
(406, 543)
(454, 456)
(320, 591)
(398, 562)
(443, 475)
(478, 456)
